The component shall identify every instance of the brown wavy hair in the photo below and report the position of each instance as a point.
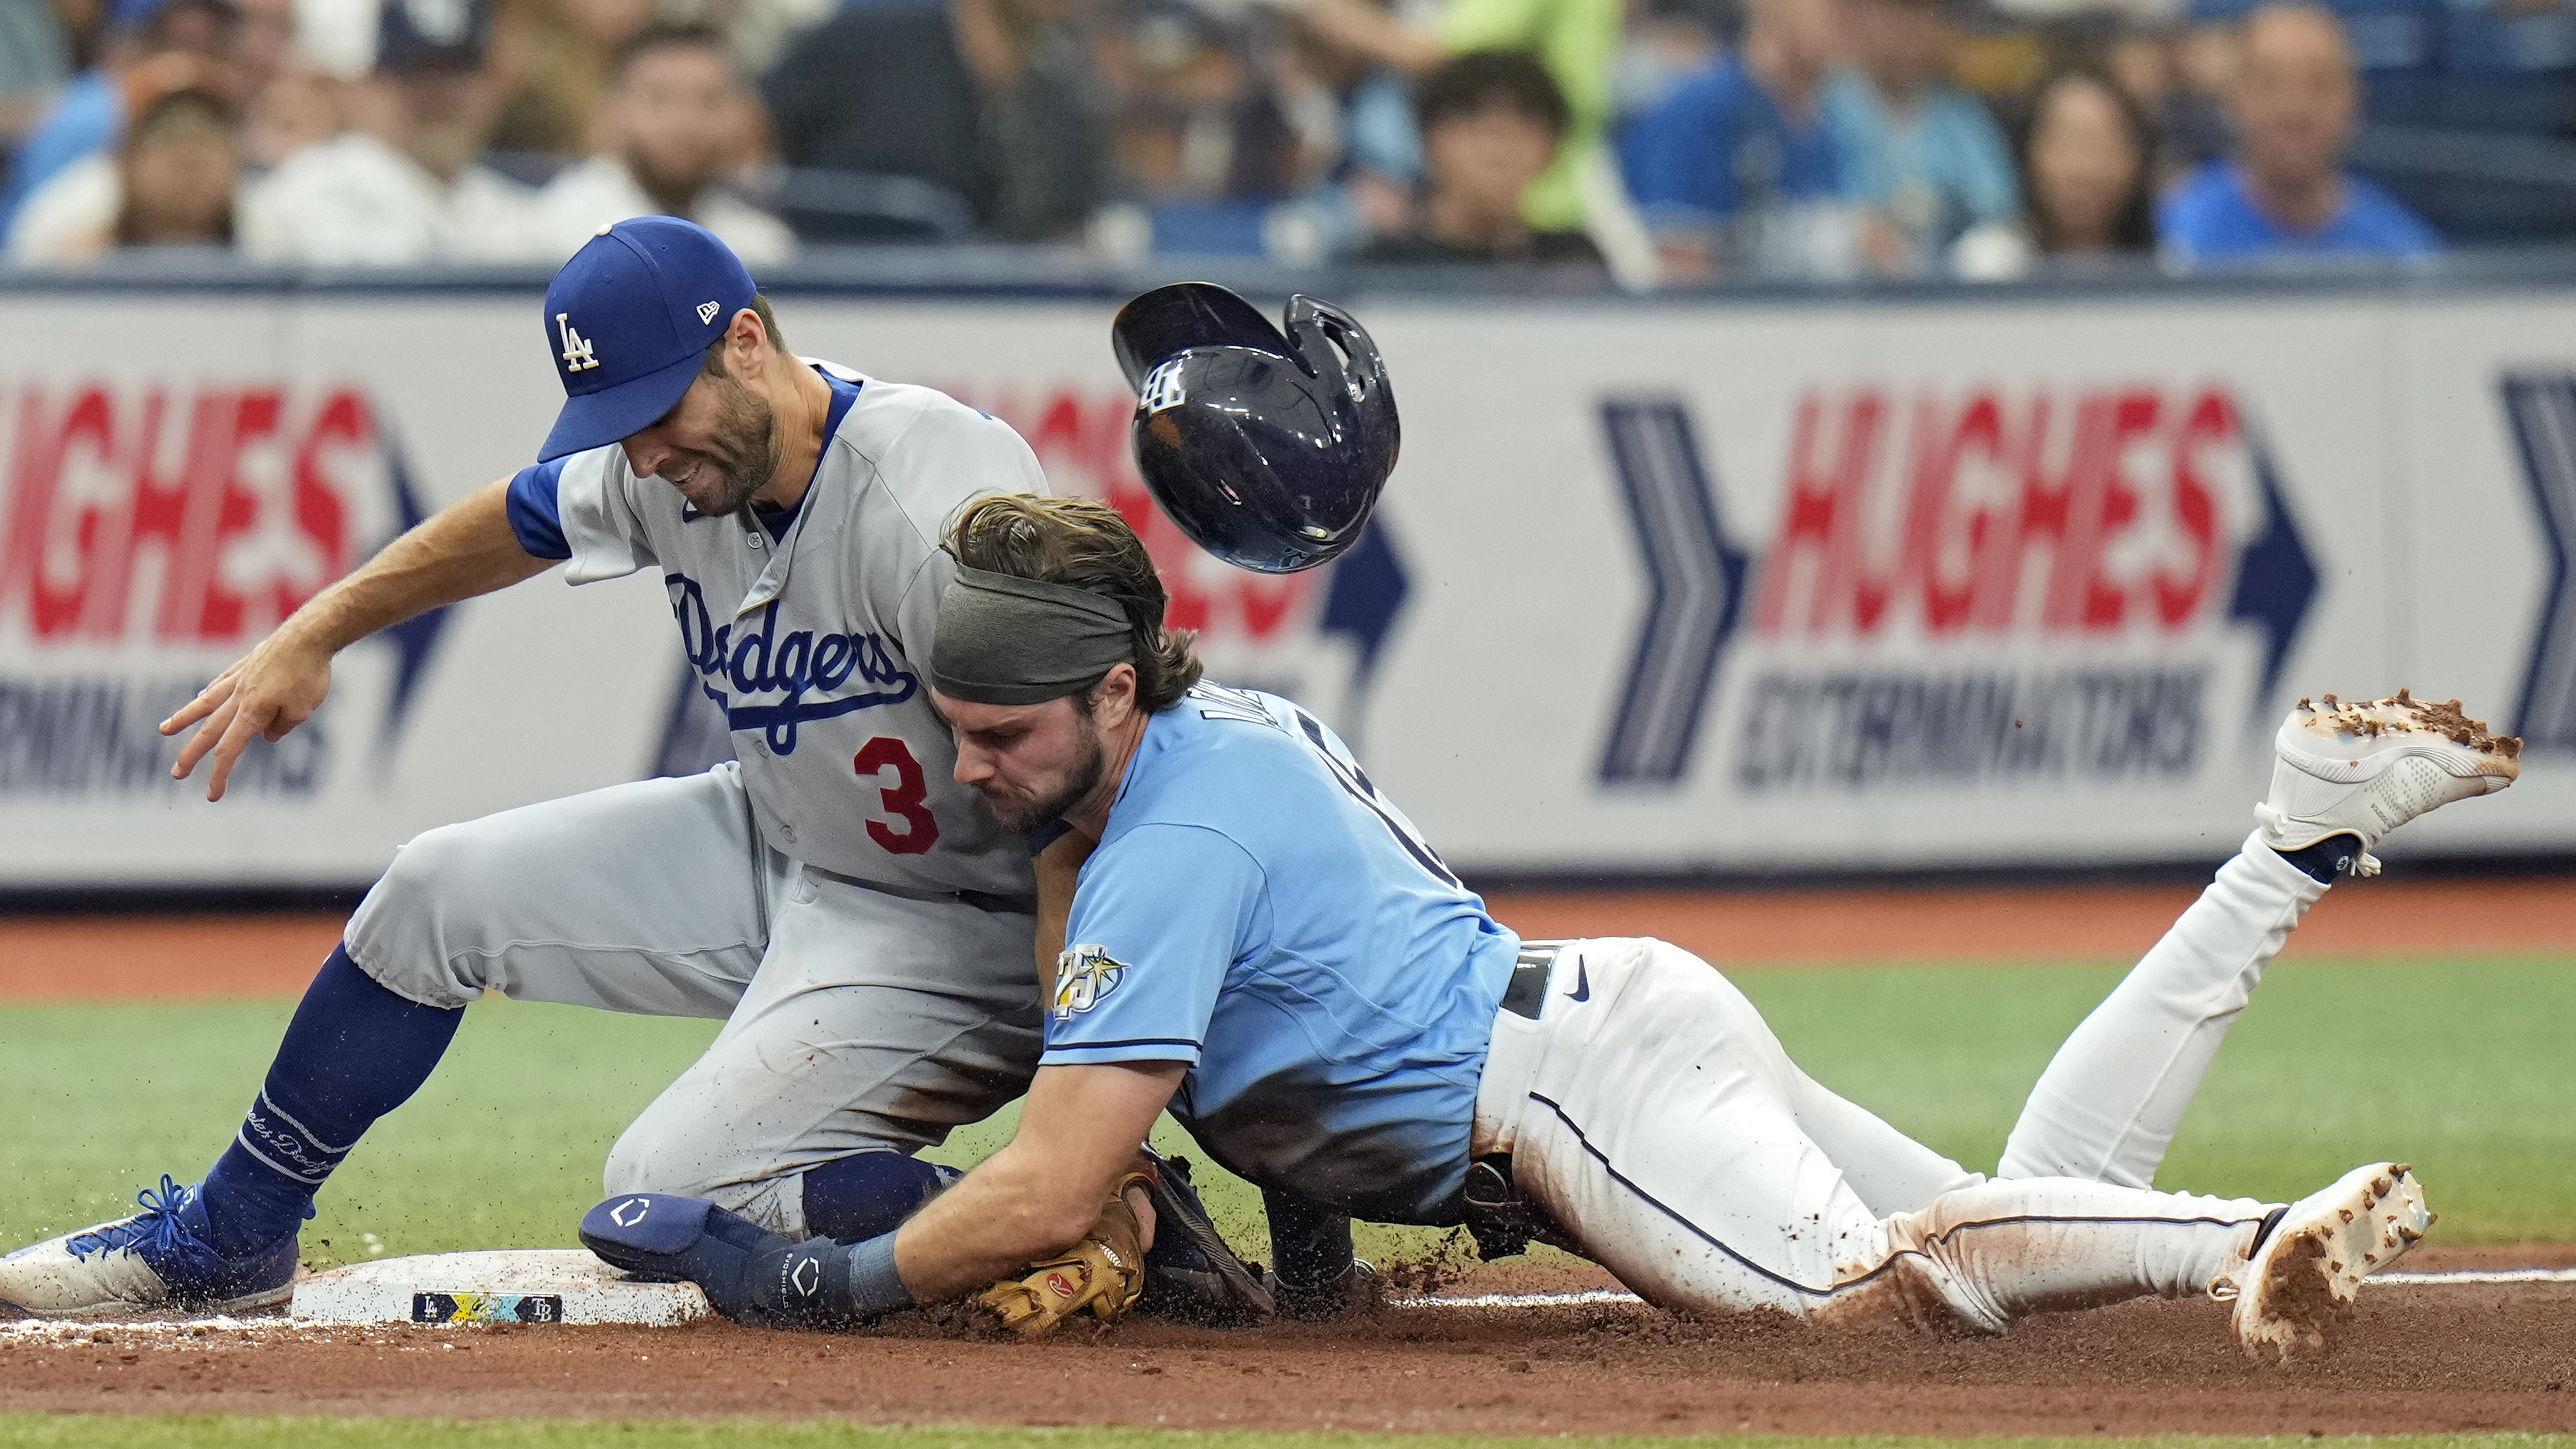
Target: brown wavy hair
(1085, 545)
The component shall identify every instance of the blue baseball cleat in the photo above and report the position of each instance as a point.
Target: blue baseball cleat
(1190, 1272)
(156, 1259)
(750, 1274)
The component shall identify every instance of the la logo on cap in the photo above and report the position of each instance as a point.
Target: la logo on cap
(577, 352)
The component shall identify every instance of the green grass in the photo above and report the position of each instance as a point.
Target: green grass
(2460, 1067)
(99, 1431)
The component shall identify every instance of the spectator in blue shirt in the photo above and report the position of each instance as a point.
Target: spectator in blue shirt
(1736, 171)
(1920, 154)
(2285, 193)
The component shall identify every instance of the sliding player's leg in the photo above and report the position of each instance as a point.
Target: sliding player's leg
(1654, 1117)
(2343, 777)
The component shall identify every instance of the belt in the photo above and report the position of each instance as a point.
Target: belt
(986, 901)
(1526, 993)
(1501, 1219)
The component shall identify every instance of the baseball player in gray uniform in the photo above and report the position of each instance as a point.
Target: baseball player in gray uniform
(858, 919)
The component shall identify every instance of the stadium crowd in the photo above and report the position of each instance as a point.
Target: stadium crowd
(1654, 141)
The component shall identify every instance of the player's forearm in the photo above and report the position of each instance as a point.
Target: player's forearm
(463, 551)
(1042, 1192)
(1005, 1215)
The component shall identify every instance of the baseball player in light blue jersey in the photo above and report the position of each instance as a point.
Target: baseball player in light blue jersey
(851, 911)
(1263, 943)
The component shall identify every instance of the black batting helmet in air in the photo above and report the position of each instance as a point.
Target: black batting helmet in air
(1268, 449)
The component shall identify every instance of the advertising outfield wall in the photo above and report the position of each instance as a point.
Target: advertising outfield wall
(1722, 587)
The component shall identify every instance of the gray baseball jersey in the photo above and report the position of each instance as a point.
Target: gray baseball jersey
(852, 912)
(813, 643)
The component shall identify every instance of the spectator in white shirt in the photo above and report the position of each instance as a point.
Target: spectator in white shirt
(402, 187)
(676, 120)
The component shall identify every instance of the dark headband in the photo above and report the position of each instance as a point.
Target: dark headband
(1009, 640)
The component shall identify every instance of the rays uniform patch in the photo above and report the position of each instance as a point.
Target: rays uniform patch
(1084, 977)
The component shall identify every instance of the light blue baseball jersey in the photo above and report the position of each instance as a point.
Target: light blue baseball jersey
(1258, 910)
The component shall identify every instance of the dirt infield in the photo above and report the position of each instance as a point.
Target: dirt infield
(107, 958)
(2421, 1360)
(2359, 919)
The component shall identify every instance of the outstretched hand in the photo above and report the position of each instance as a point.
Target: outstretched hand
(267, 693)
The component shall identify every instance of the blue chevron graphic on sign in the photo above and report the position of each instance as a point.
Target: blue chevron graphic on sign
(2542, 410)
(2276, 581)
(1695, 582)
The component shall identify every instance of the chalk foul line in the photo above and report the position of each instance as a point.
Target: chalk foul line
(68, 1330)
(1614, 1295)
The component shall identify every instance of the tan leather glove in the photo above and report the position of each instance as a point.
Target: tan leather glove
(1104, 1273)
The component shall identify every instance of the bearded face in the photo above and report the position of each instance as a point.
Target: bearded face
(1025, 806)
(734, 456)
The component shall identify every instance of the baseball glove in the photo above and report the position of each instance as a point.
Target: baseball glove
(1104, 1273)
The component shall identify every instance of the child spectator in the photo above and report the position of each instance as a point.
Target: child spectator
(1918, 152)
(1578, 41)
(673, 125)
(2285, 192)
(1491, 123)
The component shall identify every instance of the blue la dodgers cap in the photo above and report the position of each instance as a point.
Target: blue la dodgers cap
(629, 319)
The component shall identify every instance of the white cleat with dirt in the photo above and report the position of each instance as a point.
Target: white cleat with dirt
(157, 1259)
(2295, 1296)
(2364, 768)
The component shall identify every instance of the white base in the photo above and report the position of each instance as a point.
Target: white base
(527, 1285)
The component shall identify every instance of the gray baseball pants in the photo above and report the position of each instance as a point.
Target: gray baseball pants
(855, 1020)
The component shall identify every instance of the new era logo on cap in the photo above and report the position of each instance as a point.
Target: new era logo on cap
(629, 319)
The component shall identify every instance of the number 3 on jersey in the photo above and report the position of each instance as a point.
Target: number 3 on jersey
(904, 799)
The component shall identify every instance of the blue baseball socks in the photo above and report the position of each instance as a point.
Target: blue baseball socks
(354, 1052)
(2336, 855)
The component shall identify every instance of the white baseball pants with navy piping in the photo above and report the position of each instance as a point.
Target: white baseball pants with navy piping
(1654, 1115)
